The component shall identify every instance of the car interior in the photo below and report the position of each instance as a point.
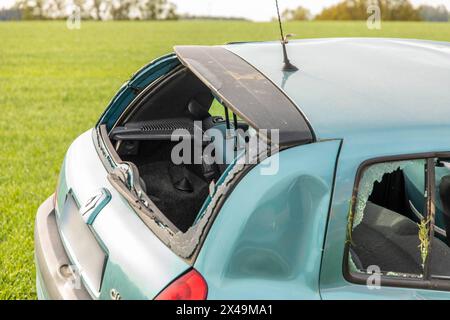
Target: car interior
(144, 137)
(388, 235)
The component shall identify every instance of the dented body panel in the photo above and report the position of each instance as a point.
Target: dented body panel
(267, 243)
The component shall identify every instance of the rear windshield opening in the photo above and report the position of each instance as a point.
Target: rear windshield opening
(400, 221)
(182, 140)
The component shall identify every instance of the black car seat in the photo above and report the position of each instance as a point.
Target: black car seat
(390, 240)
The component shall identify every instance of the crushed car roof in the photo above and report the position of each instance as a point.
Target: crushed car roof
(353, 87)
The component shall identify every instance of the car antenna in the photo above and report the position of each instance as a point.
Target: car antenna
(288, 66)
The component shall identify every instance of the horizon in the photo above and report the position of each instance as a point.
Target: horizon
(245, 9)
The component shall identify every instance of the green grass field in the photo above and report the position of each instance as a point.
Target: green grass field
(55, 82)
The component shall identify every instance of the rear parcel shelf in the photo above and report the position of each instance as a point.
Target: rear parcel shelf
(154, 130)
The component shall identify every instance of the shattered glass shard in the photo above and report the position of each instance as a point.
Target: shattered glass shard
(371, 175)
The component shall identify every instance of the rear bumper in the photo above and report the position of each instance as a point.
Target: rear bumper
(50, 257)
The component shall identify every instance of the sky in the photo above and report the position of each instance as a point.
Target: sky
(258, 10)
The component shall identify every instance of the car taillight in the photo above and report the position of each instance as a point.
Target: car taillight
(190, 286)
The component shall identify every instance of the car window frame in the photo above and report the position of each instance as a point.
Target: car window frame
(427, 282)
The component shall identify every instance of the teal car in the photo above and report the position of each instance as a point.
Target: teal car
(218, 173)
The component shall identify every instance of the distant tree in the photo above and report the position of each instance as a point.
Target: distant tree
(54, 9)
(158, 9)
(98, 9)
(345, 10)
(171, 12)
(300, 13)
(401, 10)
(85, 7)
(429, 13)
(31, 9)
(40, 9)
(120, 9)
(398, 10)
(26, 9)
(43, 9)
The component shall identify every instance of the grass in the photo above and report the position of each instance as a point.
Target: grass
(424, 237)
(54, 83)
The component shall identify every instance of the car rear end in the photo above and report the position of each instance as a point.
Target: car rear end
(111, 229)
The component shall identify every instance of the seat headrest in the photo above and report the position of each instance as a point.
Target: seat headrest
(197, 110)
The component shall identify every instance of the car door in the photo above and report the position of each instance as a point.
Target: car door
(335, 282)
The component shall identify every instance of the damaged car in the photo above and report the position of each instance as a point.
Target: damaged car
(218, 172)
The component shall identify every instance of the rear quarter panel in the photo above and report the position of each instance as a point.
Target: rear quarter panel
(267, 240)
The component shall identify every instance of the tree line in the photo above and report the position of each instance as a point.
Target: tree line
(391, 10)
(97, 9)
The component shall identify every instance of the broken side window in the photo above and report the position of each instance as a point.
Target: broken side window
(399, 220)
